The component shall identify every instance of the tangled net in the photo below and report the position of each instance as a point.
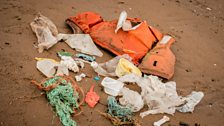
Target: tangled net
(119, 115)
(63, 94)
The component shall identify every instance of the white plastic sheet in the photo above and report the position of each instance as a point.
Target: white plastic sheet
(46, 32)
(126, 25)
(191, 101)
(81, 42)
(51, 68)
(111, 86)
(131, 99)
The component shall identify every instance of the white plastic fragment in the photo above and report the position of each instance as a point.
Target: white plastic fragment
(62, 70)
(80, 63)
(108, 68)
(45, 31)
(126, 25)
(121, 20)
(111, 86)
(51, 68)
(69, 63)
(161, 121)
(81, 42)
(131, 99)
(191, 101)
(79, 77)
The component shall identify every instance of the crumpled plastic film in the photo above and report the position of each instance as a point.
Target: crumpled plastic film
(81, 42)
(45, 31)
(131, 99)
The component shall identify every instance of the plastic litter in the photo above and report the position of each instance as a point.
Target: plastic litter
(125, 67)
(161, 121)
(50, 67)
(91, 97)
(103, 34)
(160, 60)
(96, 78)
(126, 25)
(81, 42)
(131, 99)
(86, 57)
(191, 101)
(69, 63)
(108, 68)
(111, 86)
(64, 95)
(160, 97)
(45, 31)
(79, 77)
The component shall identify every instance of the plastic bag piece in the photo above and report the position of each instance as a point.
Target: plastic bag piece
(92, 98)
(122, 19)
(79, 77)
(50, 67)
(69, 63)
(121, 42)
(81, 42)
(161, 121)
(191, 101)
(45, 31)
(125, 67)
(111, 86)
(108, 68)
(131, 99)
(160, 60)
(126, 25)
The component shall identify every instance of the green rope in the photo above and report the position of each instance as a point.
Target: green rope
(114, 109)
(63, 99)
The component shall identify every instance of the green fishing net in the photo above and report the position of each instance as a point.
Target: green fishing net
(116, 110)
(63, 98)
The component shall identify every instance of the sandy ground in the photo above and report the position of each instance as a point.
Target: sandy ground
(197, 25)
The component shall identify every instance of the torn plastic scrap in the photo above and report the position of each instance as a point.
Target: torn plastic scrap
(111, 86)
(81, 42)
(79, 77)
(45, 31)
(191, 101)
(131, 99)
(69, 63)
(91, 97)
(125, 24)
(50, 67)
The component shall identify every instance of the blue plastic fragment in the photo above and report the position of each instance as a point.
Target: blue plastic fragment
(96, 78)
(86, 57)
